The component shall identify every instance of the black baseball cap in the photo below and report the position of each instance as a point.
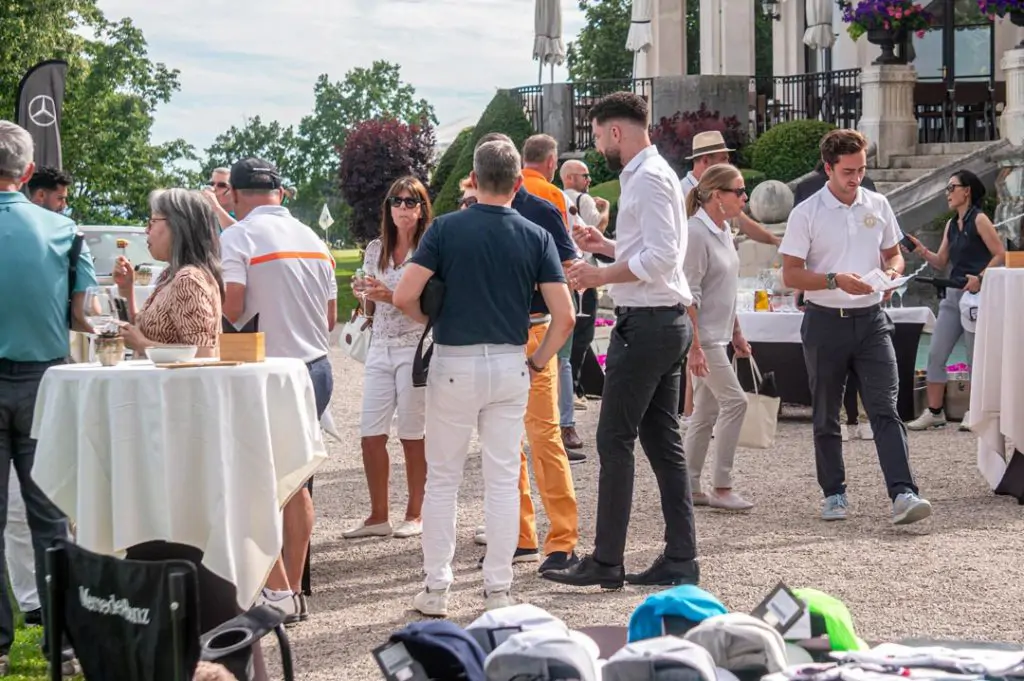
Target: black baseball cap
(255, 173)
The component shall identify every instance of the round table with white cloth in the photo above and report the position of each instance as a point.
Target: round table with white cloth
(201, 456)
(997, 372)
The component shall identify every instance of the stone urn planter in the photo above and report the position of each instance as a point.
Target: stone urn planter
(887, 39)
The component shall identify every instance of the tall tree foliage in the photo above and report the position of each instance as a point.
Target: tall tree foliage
(599, 51)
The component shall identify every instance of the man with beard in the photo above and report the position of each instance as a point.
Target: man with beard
(645, 357)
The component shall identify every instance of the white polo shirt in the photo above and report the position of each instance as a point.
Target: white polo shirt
(288, 274)
(688, 183)
(833, 237)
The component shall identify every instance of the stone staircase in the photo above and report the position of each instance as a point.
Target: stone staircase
(929, 157)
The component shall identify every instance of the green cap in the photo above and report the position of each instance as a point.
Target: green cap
(838, 623)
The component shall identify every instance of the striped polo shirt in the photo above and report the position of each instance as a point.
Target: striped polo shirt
(288, 274)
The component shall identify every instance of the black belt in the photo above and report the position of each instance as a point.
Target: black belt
(845, 311)
(314, 361)
(662, 308)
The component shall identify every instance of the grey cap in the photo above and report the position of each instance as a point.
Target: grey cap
(665, 658)
(550, 653)
(740, 642)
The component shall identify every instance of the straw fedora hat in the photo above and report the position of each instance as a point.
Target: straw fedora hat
(708, 142)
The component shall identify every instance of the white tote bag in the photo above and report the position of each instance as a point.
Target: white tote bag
(762, 419)
(355, 336)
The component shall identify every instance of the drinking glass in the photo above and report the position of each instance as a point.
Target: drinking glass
(578, 295)
(901, 291)
(100, 311)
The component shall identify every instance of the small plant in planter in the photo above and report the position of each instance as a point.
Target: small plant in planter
(887, 23)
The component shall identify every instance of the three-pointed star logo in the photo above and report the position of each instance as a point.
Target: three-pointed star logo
(42, 111)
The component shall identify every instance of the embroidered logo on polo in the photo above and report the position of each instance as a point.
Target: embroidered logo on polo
(870, 221)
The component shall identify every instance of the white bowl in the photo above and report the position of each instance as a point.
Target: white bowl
(168, 354)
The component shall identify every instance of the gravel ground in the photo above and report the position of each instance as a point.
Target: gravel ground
(953, 575)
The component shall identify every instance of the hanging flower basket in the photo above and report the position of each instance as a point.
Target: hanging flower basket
(887, 23)
(1014, 9)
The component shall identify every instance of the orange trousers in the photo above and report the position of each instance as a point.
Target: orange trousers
(550, 463)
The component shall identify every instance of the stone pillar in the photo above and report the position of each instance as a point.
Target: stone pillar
(557, 113)
(1010, 191)
(888, 116)
(727, 37)
(667, 56)
(1011, 123)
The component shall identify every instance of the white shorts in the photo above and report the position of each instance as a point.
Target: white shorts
(387, 386)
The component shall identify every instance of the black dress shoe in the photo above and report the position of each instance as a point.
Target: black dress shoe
(588, 572)
(559, 560)
(34, 618)
(667, 572)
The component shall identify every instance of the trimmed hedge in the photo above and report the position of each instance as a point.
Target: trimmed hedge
(788, 150)
(502, 115)
(598, 167)
(752, 178)
(610, 192)
(446, 163)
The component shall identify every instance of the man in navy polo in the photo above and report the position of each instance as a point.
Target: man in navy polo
(35, 245)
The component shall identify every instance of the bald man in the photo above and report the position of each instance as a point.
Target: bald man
(576, 180)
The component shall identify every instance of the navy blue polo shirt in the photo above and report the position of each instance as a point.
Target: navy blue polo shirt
(543, 213)
(491, 260)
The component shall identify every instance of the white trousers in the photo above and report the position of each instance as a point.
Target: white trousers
(21, 562)
(719, 406)
(482, 387)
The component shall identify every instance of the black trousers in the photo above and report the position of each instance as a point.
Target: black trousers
(583, 336)
(836, 342)
(850, 399)
(641, 398)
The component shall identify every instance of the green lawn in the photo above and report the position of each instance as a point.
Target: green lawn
(346, 263)
(27, 662)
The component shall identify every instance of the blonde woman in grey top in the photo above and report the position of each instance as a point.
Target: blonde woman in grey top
(712, 268)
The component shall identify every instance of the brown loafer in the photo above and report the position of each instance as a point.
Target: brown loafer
(570, 439)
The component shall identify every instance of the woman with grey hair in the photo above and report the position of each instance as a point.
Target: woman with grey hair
(185, 306)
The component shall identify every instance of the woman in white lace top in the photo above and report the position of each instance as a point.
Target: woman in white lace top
(387, 381)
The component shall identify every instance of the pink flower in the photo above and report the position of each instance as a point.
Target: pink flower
(920, 34)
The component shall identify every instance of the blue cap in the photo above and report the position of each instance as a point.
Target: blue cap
(687, 601)
(445, 650)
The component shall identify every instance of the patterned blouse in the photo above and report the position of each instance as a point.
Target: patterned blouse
(391, 328)
(185, 309)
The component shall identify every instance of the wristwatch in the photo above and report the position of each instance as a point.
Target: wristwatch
(533, 365)
(830, 281)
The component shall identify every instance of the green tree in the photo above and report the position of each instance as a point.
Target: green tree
(599, 51)
(113, 91)
(271, 141)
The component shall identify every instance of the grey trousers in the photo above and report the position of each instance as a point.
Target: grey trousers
(947, 332)
(836, 341)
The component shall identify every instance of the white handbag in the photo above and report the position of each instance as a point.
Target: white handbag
(762, 418)
(355, 336)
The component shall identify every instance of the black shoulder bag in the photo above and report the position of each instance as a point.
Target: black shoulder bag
(430, 302)
(73, 255)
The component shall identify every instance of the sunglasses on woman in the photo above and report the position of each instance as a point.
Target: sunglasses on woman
(740, 192)
(467, 201)
(407, 201)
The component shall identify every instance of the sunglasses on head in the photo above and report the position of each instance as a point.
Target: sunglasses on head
(407, 201)
(467, 201)
(219, 185)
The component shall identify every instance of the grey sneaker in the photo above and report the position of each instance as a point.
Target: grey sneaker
(909, 508)
(835, 507)
(928, 420)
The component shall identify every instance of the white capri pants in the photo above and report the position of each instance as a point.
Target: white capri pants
(387, 387)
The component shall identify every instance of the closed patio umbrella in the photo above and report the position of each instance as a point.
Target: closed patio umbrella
(640, 37)
(548, 47)
(819, 35)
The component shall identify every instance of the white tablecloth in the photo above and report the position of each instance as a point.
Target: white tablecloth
(202, 456)
(997, 375)
(784, 327)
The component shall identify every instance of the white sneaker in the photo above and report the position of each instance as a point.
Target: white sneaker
(864, 431)
(964, 428)
(285, 601)
(928, 420)
(408, 528)
(378, 530)
(480, 536)
(431, 603)
(909, 508)
(844, 432)
(498, 599)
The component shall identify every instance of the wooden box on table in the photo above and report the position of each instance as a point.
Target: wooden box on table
(243, 347)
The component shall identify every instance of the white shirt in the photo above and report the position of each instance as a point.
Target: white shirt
(688, 183)
(288, 274)
(832, 237)
(651, 234)
(588, 212)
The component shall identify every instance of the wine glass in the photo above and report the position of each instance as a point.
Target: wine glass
(100, 310)
(577, 293)
(900, 293)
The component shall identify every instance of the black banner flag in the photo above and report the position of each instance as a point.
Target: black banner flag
(40, 100)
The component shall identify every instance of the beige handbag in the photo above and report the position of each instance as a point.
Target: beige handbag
(762, 418)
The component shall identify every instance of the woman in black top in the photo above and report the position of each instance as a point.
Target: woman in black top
(970, 245)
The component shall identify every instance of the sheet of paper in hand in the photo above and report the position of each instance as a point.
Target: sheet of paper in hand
(880, 281)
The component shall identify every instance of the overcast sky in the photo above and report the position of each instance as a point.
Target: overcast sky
(263, 59)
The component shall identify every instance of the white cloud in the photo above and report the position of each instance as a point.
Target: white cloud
(262, 57)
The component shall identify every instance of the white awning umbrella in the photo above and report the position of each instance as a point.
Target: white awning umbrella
(640, 38)
(819, 35)
(548, 47)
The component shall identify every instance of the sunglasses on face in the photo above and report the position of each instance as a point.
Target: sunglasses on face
(219, 185)
(740, 192)
(467, 201)
(951, 187)
(408, 202)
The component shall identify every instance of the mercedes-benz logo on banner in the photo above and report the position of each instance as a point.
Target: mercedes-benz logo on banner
(42, 111)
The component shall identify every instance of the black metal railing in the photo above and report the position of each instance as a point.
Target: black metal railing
(963, 112)
(586, 94)
(530, 97)
(830, 96)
